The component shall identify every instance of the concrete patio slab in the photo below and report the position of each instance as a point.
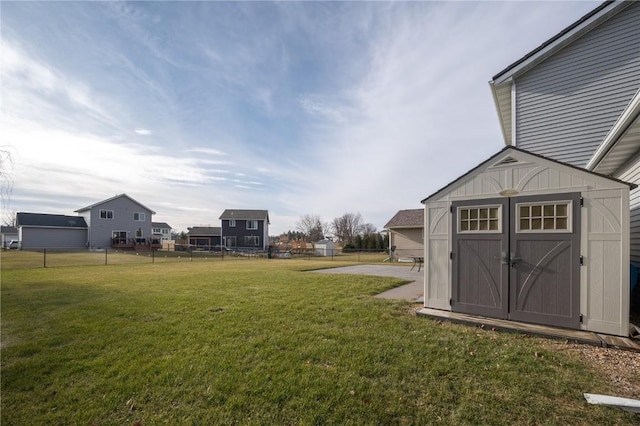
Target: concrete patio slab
(412, 291)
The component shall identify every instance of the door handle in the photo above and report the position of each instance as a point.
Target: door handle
(513, 260)
(503, 258)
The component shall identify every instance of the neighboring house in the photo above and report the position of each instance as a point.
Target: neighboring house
(8, 234)
(325, 248)
(161, 231)
(206, 237)
(120, 222)
(406, 232)
(38, 231)
(576, 98)
(245, 229)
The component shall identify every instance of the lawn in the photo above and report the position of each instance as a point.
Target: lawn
(263, 342)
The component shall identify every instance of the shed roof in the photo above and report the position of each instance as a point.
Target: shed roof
(111, 199)
(412, 218)
(50, 220)
(510, 148)
(245, 215)
(214, 231)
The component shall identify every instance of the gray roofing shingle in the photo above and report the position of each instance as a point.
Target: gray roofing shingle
(204, 230)
(413, 218)
(245, 215)
(55, 220)
(160, 225)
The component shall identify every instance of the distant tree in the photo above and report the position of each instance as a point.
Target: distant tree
(9, 217)
(347, 226)
(311, 226)
(6, 181)
(368, 229)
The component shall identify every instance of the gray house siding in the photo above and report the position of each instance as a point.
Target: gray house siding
(240, 231)
(38, 238)
(101, 229)
(631, 173)
(566, 105)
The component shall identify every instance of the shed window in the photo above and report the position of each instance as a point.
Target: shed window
(544, 217)
(106, 214)
(479, 219)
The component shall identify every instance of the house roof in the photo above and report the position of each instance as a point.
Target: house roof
(214, 231)
(501, 83)
(513, 148)
(160, 225)
(245, 215)
(111, 199)
(8, 230)
(50, 220)
(412, 218)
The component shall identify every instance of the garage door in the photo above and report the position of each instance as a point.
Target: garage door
(518, 258)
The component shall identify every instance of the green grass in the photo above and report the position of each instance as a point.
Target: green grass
(263, 342)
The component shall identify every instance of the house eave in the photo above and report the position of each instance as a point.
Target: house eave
(621, 143)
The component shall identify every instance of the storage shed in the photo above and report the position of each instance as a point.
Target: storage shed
(525, 238)
(324, 248)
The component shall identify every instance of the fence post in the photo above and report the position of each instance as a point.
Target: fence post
(153, 255)
(45, 258)
(191, 255)
(106, 250)
(358, 255)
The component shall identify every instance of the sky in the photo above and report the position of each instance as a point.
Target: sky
(298, 108)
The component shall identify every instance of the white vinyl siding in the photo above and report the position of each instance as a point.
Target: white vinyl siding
(566, 105)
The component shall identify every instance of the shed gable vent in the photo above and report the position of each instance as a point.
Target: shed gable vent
(506, 160)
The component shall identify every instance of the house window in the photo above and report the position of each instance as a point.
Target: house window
(106, 214)
(544, 217)
(252, 224)
(157, 231)
(232, 223)
(119, 237)
(479, 219)
(230, 242)
(251, 240)
(140, 217)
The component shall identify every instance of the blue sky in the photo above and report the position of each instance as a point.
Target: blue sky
(299, 108)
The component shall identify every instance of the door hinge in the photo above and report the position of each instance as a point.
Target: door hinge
(451, 208)
(450, 255)
(580, 318)
(581, 201)
(581, 260)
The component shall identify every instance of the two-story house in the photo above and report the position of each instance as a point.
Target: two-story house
(119, 221)
(161, 231)
(245, 229)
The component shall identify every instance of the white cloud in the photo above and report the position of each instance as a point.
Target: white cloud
(143, 132)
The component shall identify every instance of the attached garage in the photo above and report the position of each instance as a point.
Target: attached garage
(38, 231)
(525, 238)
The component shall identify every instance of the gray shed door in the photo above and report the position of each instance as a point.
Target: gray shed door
(518, 258)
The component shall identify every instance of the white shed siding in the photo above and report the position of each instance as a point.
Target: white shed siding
(566, 105)
(605, 304)
(38, 238)
(631, 173)
(437, 291)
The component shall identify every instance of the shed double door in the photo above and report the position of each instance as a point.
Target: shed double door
(518, 258)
